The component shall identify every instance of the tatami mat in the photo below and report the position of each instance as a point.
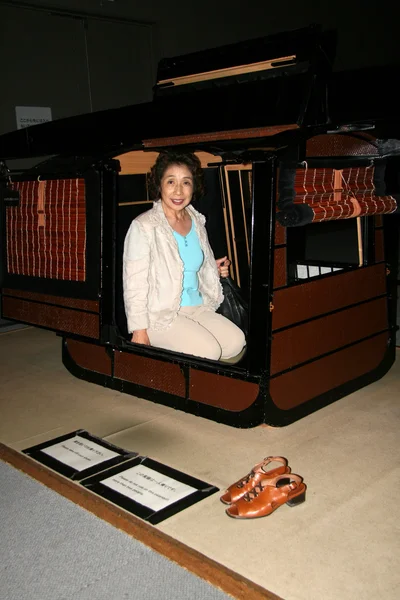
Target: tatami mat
(341, 543)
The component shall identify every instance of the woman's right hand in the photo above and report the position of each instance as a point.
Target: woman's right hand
(140, 337)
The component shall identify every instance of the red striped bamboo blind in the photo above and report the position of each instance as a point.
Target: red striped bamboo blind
(46, 233)
(340, 194)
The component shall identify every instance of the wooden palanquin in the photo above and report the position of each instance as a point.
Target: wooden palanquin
(302, 195)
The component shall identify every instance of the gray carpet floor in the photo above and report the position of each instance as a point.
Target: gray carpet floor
(51, 549)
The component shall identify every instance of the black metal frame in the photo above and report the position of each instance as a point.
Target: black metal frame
(261, 265)
(255, 360)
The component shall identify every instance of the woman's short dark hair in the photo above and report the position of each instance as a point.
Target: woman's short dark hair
(167, 158)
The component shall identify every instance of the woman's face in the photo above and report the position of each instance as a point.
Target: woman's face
(176, 187)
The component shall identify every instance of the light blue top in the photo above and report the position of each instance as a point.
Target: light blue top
(192, 257)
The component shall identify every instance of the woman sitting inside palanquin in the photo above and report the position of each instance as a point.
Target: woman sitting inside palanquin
(171, 279)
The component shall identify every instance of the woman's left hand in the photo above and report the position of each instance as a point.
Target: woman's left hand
(223, 266)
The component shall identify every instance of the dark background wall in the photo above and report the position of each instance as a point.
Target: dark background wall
(367, 28)
(71, 64)
(75, 65)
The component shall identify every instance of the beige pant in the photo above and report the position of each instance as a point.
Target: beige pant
(200, 331)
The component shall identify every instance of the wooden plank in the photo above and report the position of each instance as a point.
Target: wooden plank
(300, 385)
(213, 136)
(264, 65)
(322, 296)
(140, 162)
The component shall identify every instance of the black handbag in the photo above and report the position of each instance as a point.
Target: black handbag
(234, 307)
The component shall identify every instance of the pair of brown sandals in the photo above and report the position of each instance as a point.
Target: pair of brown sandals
(263, 490)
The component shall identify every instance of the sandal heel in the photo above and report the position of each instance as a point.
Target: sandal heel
(297, 499)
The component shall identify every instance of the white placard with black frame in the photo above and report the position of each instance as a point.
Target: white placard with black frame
(78, 454)
(149, 489)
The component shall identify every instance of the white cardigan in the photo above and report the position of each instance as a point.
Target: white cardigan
(153, 270)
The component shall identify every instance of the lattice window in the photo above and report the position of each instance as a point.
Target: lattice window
(310, 271)
(321, 249)
(46, 233)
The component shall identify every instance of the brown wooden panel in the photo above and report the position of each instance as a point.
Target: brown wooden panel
(90, 356)
(92, 305)
(222, 392)
(305, 342)
(302, 302)
(155, 374)
(340, 145)
(378, 221)
(51, 317)
(300, 385)
(280, 267)
(256, 132)
(280, 234)
(379, 245)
